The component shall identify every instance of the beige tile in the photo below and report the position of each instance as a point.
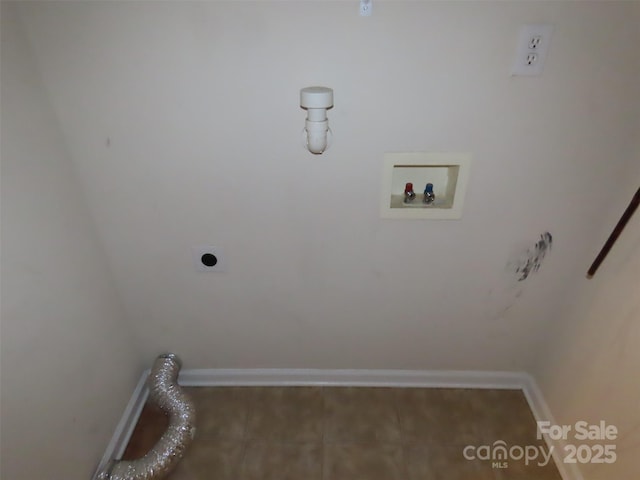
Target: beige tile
(292, 414)
(360, 415)
(221, 412)
(282, 461)
(152, 423)
(505, 415)
(517, 470)
(363, 462)
(439, 462)
(368, 433)
(209, 459)
(437, 416)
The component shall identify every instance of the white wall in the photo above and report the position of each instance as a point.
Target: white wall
(68, 361)
(588, 369)
(183, 123)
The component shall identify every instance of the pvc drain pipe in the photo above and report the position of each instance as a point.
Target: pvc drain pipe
(165, 392)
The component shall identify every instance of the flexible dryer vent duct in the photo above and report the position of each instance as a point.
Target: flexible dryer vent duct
(165, 392)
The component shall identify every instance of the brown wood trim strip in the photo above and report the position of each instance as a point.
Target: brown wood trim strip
(633, 205)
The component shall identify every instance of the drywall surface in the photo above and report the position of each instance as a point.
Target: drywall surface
(589, 367)
(68, 361)
(183, 122)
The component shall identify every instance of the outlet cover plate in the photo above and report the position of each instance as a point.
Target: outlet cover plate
(533, 44)
(366, 7)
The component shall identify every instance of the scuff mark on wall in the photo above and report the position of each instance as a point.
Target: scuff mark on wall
(532, 259)
(503, 300)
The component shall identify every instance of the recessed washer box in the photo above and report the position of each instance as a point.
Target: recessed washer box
(448, 172)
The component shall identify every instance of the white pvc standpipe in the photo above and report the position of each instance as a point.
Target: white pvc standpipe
(317, 136)
(316, 100)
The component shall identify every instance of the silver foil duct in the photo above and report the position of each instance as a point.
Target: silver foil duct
(165, 392)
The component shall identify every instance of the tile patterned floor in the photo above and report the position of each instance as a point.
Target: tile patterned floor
(313, 433)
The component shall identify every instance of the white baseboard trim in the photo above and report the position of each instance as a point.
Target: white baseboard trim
(120, 439)
(542, 412)
(352, 378)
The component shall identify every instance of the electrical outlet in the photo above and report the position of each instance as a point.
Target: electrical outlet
(533, 45)
(365, 8)
(534, 42)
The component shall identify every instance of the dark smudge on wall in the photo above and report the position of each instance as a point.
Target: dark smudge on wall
(532, 259)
